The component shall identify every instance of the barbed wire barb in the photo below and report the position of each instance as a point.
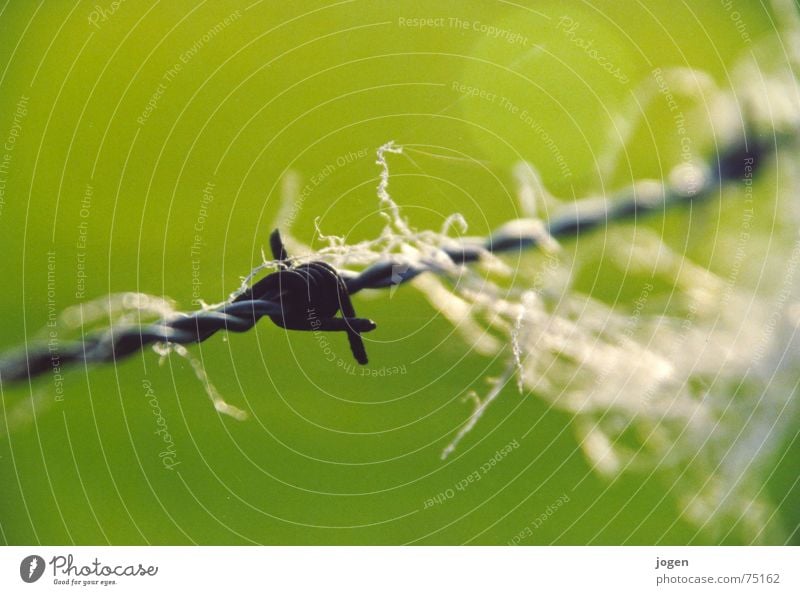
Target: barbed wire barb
(308, 299)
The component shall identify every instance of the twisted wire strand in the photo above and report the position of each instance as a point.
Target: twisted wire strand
(641, 199)
(644, 198)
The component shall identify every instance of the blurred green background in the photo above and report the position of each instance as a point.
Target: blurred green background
(134, 108)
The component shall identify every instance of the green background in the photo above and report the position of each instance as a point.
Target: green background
(325, 457)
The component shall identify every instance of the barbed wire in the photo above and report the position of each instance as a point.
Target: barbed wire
(304, 298)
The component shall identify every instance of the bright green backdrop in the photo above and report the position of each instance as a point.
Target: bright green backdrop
(326, 457)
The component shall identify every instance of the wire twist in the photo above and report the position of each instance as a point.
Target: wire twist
(243, 313)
